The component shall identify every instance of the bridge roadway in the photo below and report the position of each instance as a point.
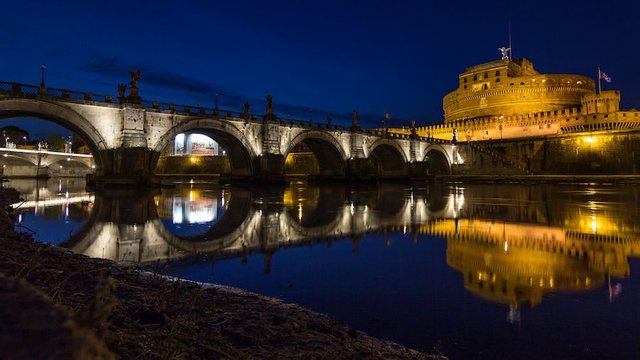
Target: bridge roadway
(127, 134)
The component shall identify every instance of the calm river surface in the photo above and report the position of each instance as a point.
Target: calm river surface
(473, 270)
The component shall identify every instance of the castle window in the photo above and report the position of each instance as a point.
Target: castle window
(497, 72)
(498, 80)
(485, 86)
(475, 77)
(465, 80)
(465, 86)
(486, 75)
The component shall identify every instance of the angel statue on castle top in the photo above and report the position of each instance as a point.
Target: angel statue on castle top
(505, 52)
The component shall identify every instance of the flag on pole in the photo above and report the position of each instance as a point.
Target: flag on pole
(604, 76)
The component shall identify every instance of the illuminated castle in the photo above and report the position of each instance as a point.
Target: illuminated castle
(507, 99)
(506, 88)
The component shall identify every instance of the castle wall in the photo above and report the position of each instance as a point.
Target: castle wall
(591, 153)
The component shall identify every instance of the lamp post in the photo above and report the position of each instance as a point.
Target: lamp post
(43, 66)
(24, 139)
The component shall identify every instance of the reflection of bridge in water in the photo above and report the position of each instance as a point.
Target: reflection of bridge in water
(560, 244)
(251, 221)
(39, 194)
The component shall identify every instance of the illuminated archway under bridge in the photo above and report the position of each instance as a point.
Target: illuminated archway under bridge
(198, 153)
(127, 134)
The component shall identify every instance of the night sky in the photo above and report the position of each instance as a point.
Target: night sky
(399, 57)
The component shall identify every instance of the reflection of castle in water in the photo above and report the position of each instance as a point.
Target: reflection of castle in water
(548, 239)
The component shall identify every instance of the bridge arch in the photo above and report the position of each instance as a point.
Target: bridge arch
(59, 114)
(390, 158)
(438, 158)
(10, 159)
(328, 152)
(240, 149)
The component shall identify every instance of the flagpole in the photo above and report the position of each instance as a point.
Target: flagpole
(599, 85)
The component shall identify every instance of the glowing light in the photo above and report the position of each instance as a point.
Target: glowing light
(589, 140)
(300, 212)
(506, 246)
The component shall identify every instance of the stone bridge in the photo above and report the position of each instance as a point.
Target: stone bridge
(42, 163)
(127, 134)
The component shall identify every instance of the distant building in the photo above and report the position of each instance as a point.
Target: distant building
(506, 99)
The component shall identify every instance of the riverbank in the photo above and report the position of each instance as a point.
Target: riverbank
(96, 308)
(542, 179)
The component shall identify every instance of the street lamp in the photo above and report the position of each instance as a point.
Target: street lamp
(43, 67)
(24, 139)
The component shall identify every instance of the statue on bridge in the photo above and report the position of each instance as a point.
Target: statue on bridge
(122, 88)
(269, 116)
(134, 97)
(246, 109)
(354, 122)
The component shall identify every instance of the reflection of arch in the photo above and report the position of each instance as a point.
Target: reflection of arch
(327, 150)
(438, 159)
(389, 156)
(238, 147)
(58, 114)
(234, 216)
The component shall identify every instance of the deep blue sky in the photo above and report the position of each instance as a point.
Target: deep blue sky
(379, 56)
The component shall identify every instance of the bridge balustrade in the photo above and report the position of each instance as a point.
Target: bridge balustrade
(32, 90)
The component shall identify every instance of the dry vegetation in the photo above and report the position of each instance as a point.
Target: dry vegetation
(97, 305)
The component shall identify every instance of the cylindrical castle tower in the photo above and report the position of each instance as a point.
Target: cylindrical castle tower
(513, 87)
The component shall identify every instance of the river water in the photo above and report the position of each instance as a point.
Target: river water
(472, 270)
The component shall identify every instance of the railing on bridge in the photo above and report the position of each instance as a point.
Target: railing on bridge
(32, 91)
